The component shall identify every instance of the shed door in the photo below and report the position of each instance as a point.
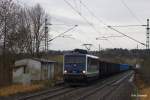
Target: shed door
(50, 71)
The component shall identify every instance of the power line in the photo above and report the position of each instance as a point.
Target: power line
(82, 16)
(126, 35)
(100, 21)
(106, 39)
(116, 25)
(63, 23)
(77, 5)
(112, 27)
(111, 36)
(128, 25)
(62, 34)
(131, 12)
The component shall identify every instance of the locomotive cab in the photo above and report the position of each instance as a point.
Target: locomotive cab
(80, 68)
(74, 68)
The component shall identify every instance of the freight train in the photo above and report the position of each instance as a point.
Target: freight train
(82, 68)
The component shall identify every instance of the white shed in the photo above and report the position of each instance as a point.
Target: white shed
(33, 69)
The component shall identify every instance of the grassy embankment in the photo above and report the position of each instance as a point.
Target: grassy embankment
(142, 79)
(19, 88)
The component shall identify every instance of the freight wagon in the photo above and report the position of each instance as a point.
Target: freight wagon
(124, 67)
(107, 68)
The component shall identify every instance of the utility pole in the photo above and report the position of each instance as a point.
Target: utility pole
(46, 35)
(147, 35)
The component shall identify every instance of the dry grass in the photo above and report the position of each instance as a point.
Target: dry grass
(144, 89)
(18, 88)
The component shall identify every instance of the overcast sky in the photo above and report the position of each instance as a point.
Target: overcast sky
(111, 12)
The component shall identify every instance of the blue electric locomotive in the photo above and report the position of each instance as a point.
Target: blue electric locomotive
(80, 67)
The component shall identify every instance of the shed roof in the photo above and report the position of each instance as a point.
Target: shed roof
(23, 62)
(44, 60)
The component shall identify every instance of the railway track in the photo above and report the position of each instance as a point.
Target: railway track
(55, 94)
(108, 90)
(78, 93)
(85, 92)
(47, 94)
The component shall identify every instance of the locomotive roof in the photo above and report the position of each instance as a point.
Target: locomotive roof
(92, 56)
(88, 55)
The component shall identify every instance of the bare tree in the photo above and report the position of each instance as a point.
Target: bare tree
(6, 17)
(20, 39)
(7, 11)
(21, 30)
(38, 16)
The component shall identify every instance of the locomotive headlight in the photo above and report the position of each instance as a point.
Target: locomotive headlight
(65, 71)
(83, 71)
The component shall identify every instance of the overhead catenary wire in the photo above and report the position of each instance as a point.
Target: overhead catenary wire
(110, 27)
(62, 34)
(116, 25)
(111, 36)
(76, 29)
(84, 18)
(131, 12)
(109, 41)
(126, 35)
(63, 23)
(108, 38)
(100, 21)
(128, 25)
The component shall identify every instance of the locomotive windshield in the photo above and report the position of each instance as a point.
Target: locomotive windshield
(75, 59)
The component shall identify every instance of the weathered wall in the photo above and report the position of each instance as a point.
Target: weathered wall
(32, 68)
